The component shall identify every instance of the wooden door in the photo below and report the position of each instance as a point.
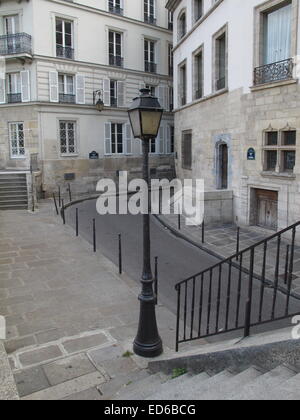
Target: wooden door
(267, 209)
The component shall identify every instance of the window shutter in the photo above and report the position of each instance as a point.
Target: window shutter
(128, 139)
(121, 94)
(107, 136)
(106, 92)
(80, 89)
(2, 91)
(161, 140)
(167, 98)
(168, 140)
(53, 86)
(25, 85)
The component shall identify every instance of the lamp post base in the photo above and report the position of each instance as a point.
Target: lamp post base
(148, 350)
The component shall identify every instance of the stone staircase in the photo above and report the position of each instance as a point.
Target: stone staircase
(281, 383)
(13, 191)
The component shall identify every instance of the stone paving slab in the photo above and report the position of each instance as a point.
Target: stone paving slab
(66, 307)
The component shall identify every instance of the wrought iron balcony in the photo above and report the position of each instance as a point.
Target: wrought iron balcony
(67, 98)
(150, 19)
(116, 60)
(150, 67)
(14, 98)
(275, 72)
(15, 44)
(114, 102)
(65, 52)
(116, 10)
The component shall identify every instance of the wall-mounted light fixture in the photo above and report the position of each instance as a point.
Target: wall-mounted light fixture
(98, 102)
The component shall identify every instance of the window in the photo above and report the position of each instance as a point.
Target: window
(12, 24)
(67, 132)
(16, 139)
(116, 6)
(221, 62)
(181, 25)
(66, 88)
(170, 59)
(198, 9)
(187, 150)
(170, 20)
(149, 12)
(198, 75)
(115, 49)
(64, 39)
(13, 88)
(280, 151)
(117, 139)
(149, 56)
(276, 42)
(182, 85)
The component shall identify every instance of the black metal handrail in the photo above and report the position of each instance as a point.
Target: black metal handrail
(65, 52)
(67, 98)
(14, 98)
(15, 44)
(274, 72)
(150, 67)
(116, 60)
(223, 298)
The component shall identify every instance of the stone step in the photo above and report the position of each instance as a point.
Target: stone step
(16, 193)
(265, 383)
(109, 389)
(14, 207)
(176, 383)
(141, 389)
(222, 391)
(13, 200)
(196, 385)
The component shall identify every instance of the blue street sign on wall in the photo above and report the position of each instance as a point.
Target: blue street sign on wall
(251, 154)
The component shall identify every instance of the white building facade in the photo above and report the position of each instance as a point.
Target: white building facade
(237, 107)
(57, 60)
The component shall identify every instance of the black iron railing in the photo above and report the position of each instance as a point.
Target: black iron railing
(65, 52)
(15, 44)
(113, 102)
(116, 10)
(282, 70)
(116, 61)
(150, 67)
(251, 288)
(14, 98)
(150, 19)
(67, 98)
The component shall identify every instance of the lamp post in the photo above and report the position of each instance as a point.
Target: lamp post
(145, 116)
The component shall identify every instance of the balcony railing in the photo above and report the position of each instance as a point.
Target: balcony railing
(116, 61)
(15, 44)
(150, 19)
(116, 10)
(221, 83)
(67, 98)
(114, 102)
(199, 93)
(275, 72)
(65, 52)
(14, 98)
(150, 67)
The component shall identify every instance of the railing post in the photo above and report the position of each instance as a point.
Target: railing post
(59, 197)
(249, 301)
(203, 232)
(77, 223)
(70, 193)
(94, 236)
(120, 255)
(179, 222)
(178, 289)
(55, 204)
(238, 243)
(63, 211)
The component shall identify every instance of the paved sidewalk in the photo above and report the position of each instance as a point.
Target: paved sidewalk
(222, 242)
(71, 319)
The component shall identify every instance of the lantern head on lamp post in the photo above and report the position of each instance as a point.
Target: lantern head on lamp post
(145, 116)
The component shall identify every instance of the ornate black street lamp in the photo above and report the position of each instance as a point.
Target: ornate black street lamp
(145, 116)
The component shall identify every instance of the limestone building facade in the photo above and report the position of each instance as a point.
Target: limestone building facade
(237, 106)
(58, 59)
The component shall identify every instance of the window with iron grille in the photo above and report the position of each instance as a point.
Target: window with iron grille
(17, 139)
(64, 38)
(280, 151)
(115, 49)
(187, 150)
(66, 86)
(68, 142)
